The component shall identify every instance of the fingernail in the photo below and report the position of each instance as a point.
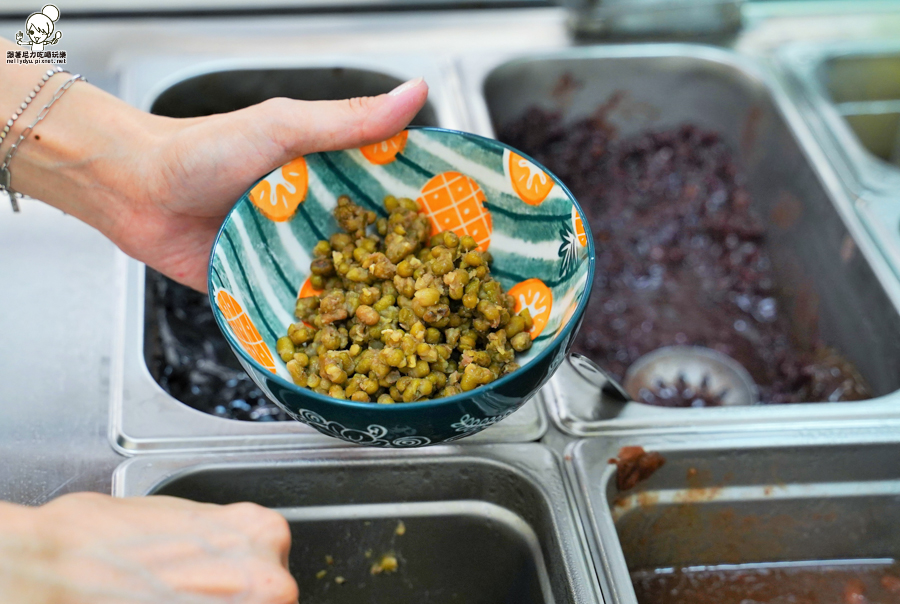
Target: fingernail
(405, 86)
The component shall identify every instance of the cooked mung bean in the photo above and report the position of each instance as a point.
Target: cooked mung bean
(403, 316)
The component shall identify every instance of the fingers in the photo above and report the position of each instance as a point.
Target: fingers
(234, 553)
(255, 543)
(200, 166)
(243, 579)
(266, 528)
(167, 501)
(301, 127)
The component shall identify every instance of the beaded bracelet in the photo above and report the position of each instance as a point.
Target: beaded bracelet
(22, 107)
(5, 176)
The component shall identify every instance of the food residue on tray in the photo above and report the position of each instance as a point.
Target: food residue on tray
(854, 582)
(339, 580)
(191, 360)
(321, 574)
(387, 564)
(891, 583)
(401, 316)
(855, 591)
(401, 529)
(682, 256)
(634, 464)
(681, 394)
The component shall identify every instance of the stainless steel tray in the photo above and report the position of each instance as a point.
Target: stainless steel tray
(55, 429)
(853, 90)
(483, 524)
(737, 498)
(143, 416)
(822, 253)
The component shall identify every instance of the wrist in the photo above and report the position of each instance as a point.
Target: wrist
(26, 93)
(84, 157)
(17, 519)
(26, 557)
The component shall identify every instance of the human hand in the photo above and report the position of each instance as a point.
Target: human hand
(87, 548)
(197, 169)
(160, 187)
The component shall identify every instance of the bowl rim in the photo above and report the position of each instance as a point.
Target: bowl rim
(448, 400)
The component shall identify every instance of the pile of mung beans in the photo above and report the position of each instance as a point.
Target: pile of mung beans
(403, 316)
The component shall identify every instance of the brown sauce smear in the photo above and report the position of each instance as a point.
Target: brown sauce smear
(634, 465)
(813, 584)
(681, 256)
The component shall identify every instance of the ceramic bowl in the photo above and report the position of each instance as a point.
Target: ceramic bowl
(543, 255)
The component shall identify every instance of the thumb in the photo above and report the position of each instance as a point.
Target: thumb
(301, 127)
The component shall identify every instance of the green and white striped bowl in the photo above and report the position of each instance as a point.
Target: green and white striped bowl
(543, 255)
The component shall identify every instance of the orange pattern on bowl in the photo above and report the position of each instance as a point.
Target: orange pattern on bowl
(279, 205)
(455, 202)
(530, 183)
(244, 330)
(534, 295)
(386, 151)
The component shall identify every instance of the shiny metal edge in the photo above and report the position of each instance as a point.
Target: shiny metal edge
(881, 214)
(858, 168)
(873, 182)
(542, 467)
(591, 490)
(475, 68)
(145, 79)
(146, 419)
(472, 508)
(643, 419)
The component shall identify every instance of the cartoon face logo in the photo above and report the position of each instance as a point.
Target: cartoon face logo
(39, 29)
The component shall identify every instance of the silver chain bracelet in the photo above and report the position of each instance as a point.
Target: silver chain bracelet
(5, 176)
(24, 105)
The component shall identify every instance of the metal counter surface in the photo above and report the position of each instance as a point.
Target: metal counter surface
(58, 277)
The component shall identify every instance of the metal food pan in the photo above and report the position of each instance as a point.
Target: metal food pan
(479, 524)
(143, 416)
(853, 90)
(832, 278)
(735, 499)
